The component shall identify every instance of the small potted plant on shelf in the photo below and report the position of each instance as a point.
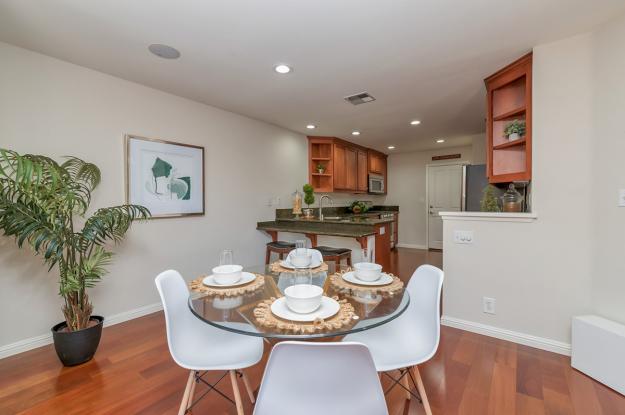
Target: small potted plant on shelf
(320, 168)
(514, 130)
(309, 199)
(39, 202)
(489, 202)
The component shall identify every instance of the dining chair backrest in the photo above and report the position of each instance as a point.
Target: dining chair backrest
(180, 322)
(320, 378)
(424, 288)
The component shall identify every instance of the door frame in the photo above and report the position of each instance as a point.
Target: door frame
(427, 194)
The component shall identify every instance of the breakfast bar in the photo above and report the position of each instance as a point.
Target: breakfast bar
(372, 231)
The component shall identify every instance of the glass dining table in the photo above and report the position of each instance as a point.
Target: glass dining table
(236, 313)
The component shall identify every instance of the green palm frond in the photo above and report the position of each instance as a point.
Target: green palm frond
(83, 172)
(112, 222)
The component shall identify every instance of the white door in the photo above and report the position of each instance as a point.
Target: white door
(444, 195)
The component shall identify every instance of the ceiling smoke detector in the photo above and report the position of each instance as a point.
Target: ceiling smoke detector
(361, 98)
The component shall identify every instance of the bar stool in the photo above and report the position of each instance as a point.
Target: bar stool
(335, 254)
(279, 247)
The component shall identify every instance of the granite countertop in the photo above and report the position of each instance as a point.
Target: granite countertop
(349, 230)
(338, 222)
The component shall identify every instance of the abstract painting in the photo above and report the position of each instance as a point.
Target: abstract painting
(165, 177)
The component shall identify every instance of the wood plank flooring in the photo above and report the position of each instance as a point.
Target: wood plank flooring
(133, 373)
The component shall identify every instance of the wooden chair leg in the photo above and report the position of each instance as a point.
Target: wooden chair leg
(404, 382)
(192, 393)
(187, 392)
(349, 260)
(421, 389)
(237, 394)
(267, 256)
(248, 387)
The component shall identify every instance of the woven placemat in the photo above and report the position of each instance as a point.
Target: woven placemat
(198, 286)
(343, 317)
(276, 267)
(340, 284)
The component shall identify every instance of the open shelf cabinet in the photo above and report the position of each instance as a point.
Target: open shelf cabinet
(509, 98)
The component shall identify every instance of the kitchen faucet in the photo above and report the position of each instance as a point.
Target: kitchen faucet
(321, 205)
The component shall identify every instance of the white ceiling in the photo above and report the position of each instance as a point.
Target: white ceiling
(421, 59)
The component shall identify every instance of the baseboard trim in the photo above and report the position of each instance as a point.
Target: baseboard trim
(45, 339)
(412, 246)
(509, 335)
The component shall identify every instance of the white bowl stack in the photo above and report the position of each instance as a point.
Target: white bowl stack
(303, 298)
(368, 271)
(227, 274)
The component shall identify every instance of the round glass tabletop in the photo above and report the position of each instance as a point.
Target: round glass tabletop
(236, 314)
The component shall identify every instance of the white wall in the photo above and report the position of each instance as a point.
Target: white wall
(479, 149)
(55, 108)
(609, 171)
(406, 175)
(568, 261)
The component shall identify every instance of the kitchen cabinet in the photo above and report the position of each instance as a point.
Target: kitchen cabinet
(509, 101)
(351, 168)
(340, 169)
(345, 165)
(377, 162)
(363, 177)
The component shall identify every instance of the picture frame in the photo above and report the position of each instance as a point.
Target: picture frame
(166, 177)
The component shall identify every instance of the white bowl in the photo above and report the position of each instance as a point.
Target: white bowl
(303, 298)
(227, 274)
(368, 271)
(300, 260)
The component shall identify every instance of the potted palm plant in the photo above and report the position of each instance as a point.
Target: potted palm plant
(40, 201)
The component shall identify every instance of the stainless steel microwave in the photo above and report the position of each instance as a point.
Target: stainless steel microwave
(376, 183)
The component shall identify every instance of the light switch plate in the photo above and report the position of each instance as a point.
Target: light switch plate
(463, 237)
(621, 197)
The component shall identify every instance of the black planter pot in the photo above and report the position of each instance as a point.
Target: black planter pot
(76, 347)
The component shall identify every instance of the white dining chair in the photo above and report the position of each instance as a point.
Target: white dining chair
(413, 337)
(200, 347)
(320, 378)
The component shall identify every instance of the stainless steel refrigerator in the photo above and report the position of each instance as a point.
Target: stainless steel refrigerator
(474, 181)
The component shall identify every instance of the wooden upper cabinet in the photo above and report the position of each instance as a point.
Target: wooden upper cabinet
(340, 168)
(377, 163)
(345, 166)
(508, 100)
(351, 167)
(363, 176)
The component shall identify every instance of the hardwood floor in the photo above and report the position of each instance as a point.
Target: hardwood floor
(133, 373)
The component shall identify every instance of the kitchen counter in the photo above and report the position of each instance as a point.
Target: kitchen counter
(367, 228)
(317, 227)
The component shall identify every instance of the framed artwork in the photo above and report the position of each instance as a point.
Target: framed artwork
(165, 177)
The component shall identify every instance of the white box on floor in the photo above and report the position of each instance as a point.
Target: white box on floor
(598, 350)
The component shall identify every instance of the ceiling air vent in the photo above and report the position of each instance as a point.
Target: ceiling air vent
(361, 98)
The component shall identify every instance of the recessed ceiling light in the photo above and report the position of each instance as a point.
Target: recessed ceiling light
(282, 69)
(311, 126)
(440, 140)
(391, 147)
(355, 132)
(164, 51)
(415, 122)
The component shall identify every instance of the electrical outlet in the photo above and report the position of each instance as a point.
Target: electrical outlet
(463, 237)
(488, 305)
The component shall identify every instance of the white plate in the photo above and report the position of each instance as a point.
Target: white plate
(385, 279)
(246, 277)
(313, 264)
(327, 309)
